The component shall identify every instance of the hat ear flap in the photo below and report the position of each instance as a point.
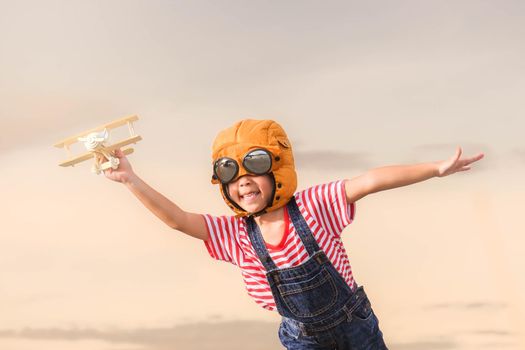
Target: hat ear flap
(231, 203)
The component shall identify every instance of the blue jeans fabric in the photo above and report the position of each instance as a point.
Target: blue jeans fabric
(319, 309)
(360, 331)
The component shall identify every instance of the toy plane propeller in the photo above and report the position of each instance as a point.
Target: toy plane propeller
(95, 142)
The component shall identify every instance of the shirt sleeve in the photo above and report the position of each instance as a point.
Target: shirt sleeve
(222, 232)
(327, 204)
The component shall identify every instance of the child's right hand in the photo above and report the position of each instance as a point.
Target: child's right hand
(124, 172)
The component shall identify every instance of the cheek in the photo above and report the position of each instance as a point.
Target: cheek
(268, 188)
(232, 192)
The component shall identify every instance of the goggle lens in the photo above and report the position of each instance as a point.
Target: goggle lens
(256, 162)
(226, 169)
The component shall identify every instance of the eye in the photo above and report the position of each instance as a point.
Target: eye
(226, 169)
(258, 162)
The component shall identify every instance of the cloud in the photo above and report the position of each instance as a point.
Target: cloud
(494, 332)
(451, 147)
(30, 119)
(340, 160)
(442, 151)
(467, 306)
(331, 160)
(205, 335)
(499, 345)
(424, 345)
(519, 154)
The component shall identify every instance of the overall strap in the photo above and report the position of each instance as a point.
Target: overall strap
(301, 227)
(254, 233)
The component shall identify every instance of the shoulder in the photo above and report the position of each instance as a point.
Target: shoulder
(328, 192)
(223, 223)
(327, 205)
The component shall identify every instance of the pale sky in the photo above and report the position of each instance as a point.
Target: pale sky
(356, 85)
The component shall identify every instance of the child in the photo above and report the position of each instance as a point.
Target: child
(287, 244)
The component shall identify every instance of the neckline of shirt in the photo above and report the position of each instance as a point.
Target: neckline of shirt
(280, 245)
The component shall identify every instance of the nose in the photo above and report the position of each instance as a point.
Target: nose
(245, 180)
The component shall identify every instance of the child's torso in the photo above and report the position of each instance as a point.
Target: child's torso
(286, 250)
(325, 215)
(274, 232)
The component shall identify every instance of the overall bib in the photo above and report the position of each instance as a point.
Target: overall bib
(319, 309)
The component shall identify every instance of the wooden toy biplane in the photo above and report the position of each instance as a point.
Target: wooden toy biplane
(96, 143)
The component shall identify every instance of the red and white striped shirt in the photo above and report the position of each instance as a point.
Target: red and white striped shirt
(326, 212)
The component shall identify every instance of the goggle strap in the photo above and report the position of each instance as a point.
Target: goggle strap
(227, 195)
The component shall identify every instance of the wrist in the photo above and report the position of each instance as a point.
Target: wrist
(436, 169)
(130, 179)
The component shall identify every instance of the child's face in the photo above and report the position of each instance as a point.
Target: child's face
(251, 192)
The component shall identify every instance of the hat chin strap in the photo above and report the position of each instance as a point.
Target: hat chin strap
(260, 212)
(227, 195)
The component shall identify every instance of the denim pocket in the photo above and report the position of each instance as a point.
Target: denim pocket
(292, 337)
(288, 331)
(364, 322)
(363, 312)
(312, 297)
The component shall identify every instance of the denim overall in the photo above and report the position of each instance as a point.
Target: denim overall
(319, 309)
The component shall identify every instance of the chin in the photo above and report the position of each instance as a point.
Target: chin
(253, 209)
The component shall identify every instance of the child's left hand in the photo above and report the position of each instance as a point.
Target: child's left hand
(455, 164)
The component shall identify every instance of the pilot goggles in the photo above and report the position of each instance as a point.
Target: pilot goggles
(256, 162)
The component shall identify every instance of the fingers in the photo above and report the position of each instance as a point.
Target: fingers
(478, 157)
(474, 159)
(466, 162)
(120, 154)
(459, 151)
(107, 173)
(456, 158)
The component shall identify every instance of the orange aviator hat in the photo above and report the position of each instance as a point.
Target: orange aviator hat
(248, 135)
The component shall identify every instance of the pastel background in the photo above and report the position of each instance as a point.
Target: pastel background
(356, 85)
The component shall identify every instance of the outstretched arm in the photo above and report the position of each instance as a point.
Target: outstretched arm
(190, 223)
(389, 177)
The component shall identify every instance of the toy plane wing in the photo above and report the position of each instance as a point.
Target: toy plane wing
(89, 155)
(109, 126)
(72, 160)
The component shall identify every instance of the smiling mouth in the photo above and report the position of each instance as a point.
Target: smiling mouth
(250, 196)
